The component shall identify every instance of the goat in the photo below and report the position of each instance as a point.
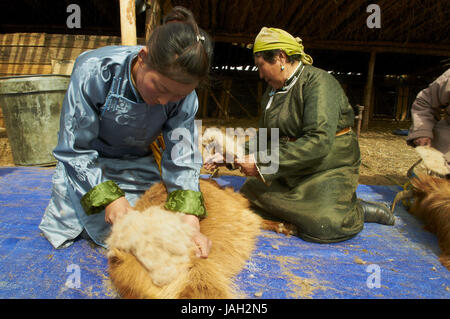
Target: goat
(150, 254)
(432, 205)
(431, 198)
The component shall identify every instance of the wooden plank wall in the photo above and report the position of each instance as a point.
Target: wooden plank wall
(42, 53)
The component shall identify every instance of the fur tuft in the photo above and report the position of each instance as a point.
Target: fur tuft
(157, 238)
(432, 206)
(230, 225)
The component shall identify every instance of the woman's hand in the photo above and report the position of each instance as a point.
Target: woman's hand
(247, 165)
(214, 161)
(423, 141)
(116, 209)
(203, 244)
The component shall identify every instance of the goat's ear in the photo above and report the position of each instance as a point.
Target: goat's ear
(115, 261)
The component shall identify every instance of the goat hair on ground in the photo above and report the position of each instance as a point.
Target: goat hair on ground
(432, 205)
(151, 255)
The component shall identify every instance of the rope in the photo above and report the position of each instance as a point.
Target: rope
(158, 146)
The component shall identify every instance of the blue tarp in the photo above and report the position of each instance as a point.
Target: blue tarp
(398, 261)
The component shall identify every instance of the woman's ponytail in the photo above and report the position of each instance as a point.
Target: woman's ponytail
(179, 49)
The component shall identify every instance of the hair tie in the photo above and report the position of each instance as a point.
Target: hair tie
(200, 38)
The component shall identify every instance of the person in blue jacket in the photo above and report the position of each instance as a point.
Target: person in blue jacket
(119, 101)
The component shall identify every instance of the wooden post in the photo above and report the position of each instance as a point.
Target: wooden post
(226, 87)
(405, 103)
(359, 116)
(202, 94)
(368, 91)
(128, 22)
(219, 105)
(152, 17)
(223, 96)
(2, 123)
(402, 103)
(205, 102)
(238, 103)
(399, 104)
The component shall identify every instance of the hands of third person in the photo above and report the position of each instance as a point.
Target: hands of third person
(246, 165)
(422, 141)
(214, 161)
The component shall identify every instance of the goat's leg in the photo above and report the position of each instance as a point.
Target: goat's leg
(279, 227)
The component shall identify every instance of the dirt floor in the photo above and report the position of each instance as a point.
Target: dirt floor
(385, 156)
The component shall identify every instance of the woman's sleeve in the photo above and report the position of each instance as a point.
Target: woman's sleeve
(79, 125)
(181, 160)
(322, 97)
(425, 108)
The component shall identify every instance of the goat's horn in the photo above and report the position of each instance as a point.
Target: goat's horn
(400, 196)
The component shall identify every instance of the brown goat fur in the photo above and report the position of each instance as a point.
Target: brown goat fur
(230, 225)
(432, 205)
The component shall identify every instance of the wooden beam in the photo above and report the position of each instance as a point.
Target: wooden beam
(62, 66)
(214, 4)
(239, 104)
(380, 47)
(405, 95)
(243, 20)
(219, 105)
(57, 40)
(368, 91)
(227, 86)
(24, 69)
(359, 118)
(304, 8)
(128, 22)
(40, 55)
(289, 14)
(204, 99)
(152, 17)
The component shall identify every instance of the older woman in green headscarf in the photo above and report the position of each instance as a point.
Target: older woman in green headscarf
(314, 187)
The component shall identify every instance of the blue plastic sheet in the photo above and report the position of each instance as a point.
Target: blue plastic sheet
(398, 261)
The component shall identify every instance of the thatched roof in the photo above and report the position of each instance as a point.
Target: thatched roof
(404, 23)
(334, 32)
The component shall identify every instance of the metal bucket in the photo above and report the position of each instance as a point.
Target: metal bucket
(31, 109)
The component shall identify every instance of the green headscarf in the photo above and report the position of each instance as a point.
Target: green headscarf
(277, 39)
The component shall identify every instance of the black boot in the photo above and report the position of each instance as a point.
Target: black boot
(376, 213)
